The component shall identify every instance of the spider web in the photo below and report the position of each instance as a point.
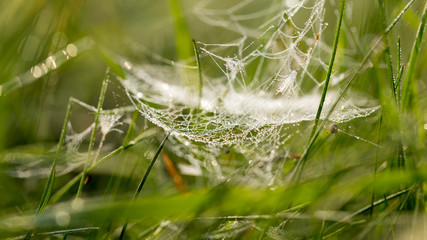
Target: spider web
(256, 86)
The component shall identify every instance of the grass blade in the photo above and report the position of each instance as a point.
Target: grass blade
(383, 200)
(144, 179)
(184, 49)
(387, 49)
(92, 138)
(397, 18)
(47, 192)
(376, 164)
(410, 90)
(398, 81)
(331, 64)
(51, 179)
(199, 70)
(109, 59)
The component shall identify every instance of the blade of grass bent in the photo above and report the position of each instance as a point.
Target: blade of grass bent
(331, 64)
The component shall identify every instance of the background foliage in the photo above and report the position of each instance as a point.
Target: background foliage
(349, 188)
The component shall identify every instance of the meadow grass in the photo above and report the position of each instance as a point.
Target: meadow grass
(367, 184)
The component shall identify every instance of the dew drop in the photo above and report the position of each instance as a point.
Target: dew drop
(127, 65)
(36, 71)
(50, 62)
(72, 50)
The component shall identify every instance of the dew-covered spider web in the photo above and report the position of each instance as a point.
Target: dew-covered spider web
(262, 74)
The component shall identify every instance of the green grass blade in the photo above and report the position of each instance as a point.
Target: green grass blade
(92, 138)
(71, 231)
(367, 208)
(401, 68)
(387, 49)
(144, 179)
(108, 58)
(199, 70)
(410, 90)
(398, 81)
(51, 179)
(397, 18)
(331, 64)
(153, 161)
(184, 49)
(376, 163)
(399, 53)
(47, 192)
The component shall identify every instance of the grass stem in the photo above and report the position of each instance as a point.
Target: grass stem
(144, 179)
(330, 68)
(92, 138)
(199, 70)
(47, 192)
(409, 91)
(387, 49)
(51, 179)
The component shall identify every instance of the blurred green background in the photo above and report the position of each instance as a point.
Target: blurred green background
(31, 119)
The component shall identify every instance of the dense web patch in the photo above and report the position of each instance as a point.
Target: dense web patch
(255, 86)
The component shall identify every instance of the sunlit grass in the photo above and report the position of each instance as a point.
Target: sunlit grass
(361, 179)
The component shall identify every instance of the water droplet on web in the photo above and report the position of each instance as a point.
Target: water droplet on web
(50, 62)
(127, 65)
(72, 50)
(44, 67)
(36, 71)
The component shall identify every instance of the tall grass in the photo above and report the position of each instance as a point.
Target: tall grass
(336, 186)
